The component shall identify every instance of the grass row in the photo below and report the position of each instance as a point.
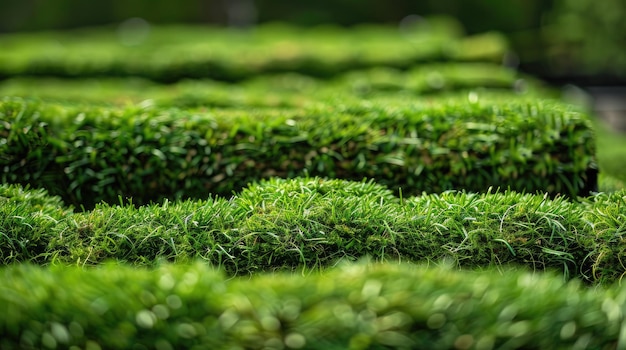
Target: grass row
(310, 224)
(352, 307)
(473, 141)
(170, 53)
(282, 90)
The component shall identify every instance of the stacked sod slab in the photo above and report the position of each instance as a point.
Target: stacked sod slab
(176, 52)
(91, 154)
(310, 224)
(131, 209)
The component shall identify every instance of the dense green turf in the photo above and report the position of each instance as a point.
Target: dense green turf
(310, 224)
(280, 90)
(175, 52)
(469, 141)
(351, 307)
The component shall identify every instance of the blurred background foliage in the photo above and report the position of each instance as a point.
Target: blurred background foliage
(580, 41)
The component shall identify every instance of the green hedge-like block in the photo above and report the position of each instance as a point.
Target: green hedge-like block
(353, 307)
(88, 154)
(171, 53)
(310, 224)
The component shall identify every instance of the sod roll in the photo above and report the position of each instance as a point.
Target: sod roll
(87, 154)
(312, 224)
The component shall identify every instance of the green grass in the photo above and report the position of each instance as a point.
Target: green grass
(280, 90)
(171, 53)
(355, 306)
(469, 141)
(611, 153)
(274, 264)
(608, 183)
(312, 224)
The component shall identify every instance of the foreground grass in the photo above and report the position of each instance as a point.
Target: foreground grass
(309, 224)
(362, 306)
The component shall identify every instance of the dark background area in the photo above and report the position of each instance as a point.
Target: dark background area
(477, 15)
(563, 41)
